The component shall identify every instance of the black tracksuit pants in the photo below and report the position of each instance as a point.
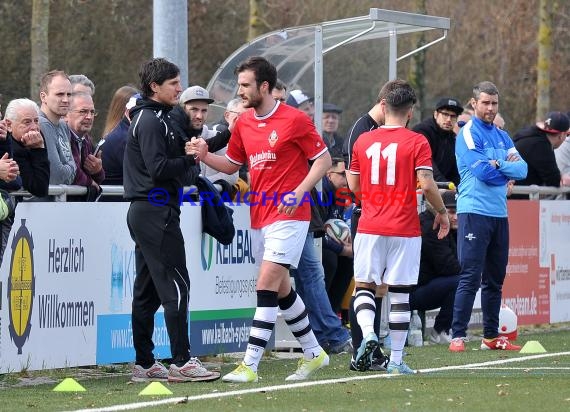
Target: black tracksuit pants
(162, 278)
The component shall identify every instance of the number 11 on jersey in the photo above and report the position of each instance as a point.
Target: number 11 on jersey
(389, 153)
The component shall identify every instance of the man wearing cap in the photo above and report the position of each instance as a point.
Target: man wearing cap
(536, 145)
(438, 129)
(331, 121)
(563, 160)
(189, 117)
(439, 270)
(302, 101)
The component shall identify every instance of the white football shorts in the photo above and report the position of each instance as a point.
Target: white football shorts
(399, 256)
(280, 242)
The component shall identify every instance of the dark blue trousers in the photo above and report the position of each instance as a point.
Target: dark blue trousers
(437, 293)
(483, 251)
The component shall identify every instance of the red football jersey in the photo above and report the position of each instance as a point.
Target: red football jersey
(277, 148)
(387, 160)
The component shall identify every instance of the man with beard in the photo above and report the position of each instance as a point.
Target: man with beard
(277, 141)
(438, 130)
(487, 159)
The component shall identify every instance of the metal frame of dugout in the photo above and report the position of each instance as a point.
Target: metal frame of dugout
(296, 50)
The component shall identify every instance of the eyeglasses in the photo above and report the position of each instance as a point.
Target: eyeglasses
(85, 112)
(339, 173)
(234, 112)
(452, 116)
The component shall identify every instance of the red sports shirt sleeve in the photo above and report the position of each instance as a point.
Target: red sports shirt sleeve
(354, 166)
(422, 155)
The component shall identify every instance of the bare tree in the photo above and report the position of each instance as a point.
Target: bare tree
(417, 72)
(39, 44)
(544, 56)
(257, 26)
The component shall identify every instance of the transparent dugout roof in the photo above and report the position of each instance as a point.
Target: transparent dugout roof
(298, 52)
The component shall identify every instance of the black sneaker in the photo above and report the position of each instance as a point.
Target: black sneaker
(378, 364)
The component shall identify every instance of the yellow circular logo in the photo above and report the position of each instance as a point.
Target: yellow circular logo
(21, 286)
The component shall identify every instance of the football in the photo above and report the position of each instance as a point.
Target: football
(337, 229)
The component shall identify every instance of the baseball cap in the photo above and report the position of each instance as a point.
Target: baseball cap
(449, 198)
(555, 122)
(195, 93)
(297, 98)
(449, 103)
(331, 108)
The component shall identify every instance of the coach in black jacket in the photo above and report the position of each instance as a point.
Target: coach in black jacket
(439, 271)
(155, 167)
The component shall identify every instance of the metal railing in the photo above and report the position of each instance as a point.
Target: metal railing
(60, 192)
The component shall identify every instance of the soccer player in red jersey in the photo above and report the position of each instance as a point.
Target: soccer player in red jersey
(385, 167)
(276, 141)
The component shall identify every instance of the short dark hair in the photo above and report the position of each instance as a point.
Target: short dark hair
(402, 97)
(157, 71)
(48, 77)
(485, 87)
(263, 70)
(388, 87)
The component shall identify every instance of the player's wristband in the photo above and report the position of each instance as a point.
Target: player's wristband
(442, 211)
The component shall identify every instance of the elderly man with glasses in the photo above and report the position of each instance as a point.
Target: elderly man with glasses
(438, 129)
(90, 171)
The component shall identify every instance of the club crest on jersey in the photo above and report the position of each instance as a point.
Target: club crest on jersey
(273, 138)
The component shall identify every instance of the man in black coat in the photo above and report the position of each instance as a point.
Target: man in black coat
(438, 130)
(439, 271)
(536, 146)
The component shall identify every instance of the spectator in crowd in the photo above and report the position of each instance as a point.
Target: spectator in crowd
(439, 270)
(563, 159)
(230, 116)
(438, 130)
(278, 164)
(55, 94)
(189, 116)
(89, 168)
(337, 257)
(116, 113)
(331, 122)
(115, 134)
(388, 242)
(9, 181)
(233, 110)
(154, 156)
(81, 84)
(25, 145)
(280, 91)
(300, 100)
(487, 160)
(536, 145)
(189, 119)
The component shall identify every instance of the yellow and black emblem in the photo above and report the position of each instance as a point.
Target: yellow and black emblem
(21, 286)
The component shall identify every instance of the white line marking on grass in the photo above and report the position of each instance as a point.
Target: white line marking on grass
(305, 384)
(537, 368)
